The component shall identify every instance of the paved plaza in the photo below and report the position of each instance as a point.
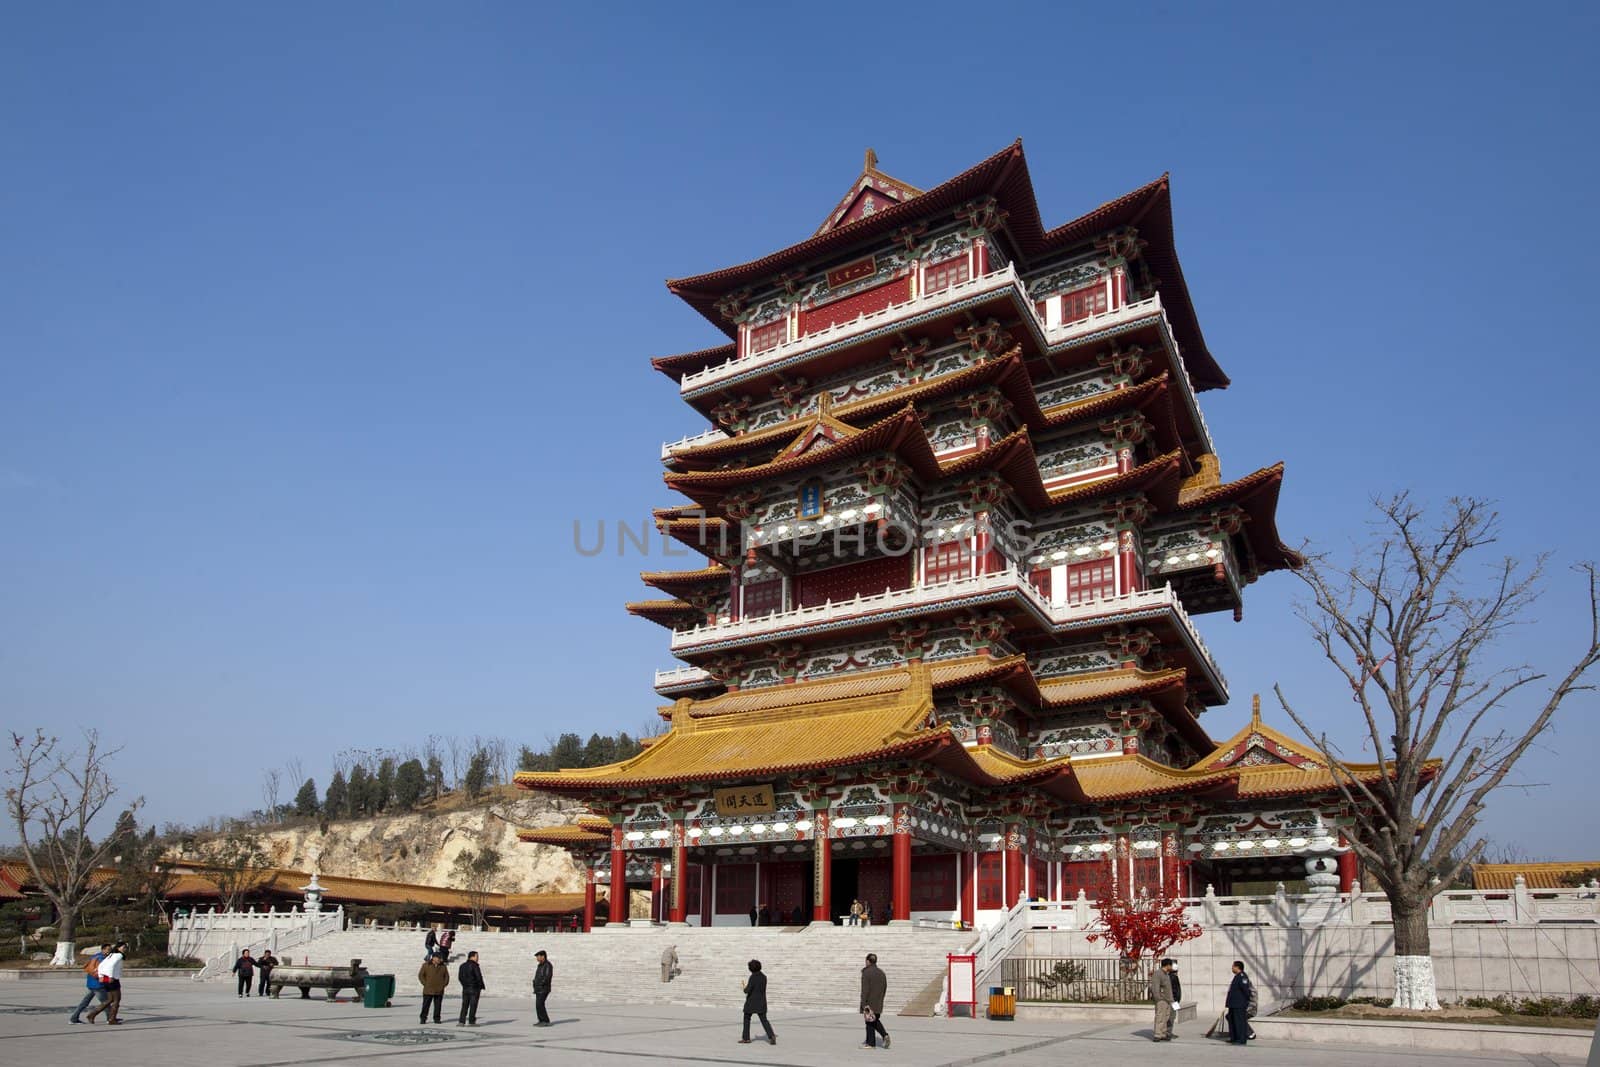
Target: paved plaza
(177, 1023)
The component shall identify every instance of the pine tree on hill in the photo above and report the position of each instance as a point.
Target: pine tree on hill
(305, 801)
(476, 779)
(383, 786)
(336, 805)
(410, 783)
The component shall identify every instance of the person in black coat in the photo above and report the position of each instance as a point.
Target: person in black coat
(1238, 1004)
(470, 975)
(245, 968)
(542, 975)
(755, 1003)
(264, 967)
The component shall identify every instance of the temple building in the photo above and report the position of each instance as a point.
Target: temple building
(958, 512)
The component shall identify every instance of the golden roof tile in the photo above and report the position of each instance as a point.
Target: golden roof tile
(1534, 875)
(769, 741)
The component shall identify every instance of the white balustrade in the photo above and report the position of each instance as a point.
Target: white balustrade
(681, 676)
(1356, 908)
(1161, 597)
(705, 437)
(992, 282)
(306, 928)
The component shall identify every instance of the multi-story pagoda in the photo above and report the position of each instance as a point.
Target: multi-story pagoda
(958, 512)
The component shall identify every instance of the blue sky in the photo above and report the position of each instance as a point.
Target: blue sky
(322, 325)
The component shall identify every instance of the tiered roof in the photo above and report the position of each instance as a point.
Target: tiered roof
(195, 883)
(865, 719)
(1005, 177)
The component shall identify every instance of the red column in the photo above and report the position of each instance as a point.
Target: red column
(657, 884)
(821, 870)
(588, 898)
(968, 884)
(1347, 871)
(901, 909)
(619, 878)
(680, 876)
(1013, 860)
(1127, 564)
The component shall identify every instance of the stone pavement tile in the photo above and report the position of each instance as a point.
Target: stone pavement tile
(177, 1023)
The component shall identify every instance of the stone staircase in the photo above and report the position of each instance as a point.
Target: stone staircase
(812, 967)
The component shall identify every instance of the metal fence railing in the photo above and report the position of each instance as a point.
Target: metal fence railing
(1058, 979)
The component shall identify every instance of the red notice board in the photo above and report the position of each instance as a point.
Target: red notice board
(962, 984)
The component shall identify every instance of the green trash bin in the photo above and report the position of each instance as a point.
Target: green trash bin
(377, 991)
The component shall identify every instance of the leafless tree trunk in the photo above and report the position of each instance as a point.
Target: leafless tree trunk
(52, 802)
(271, 786)
(239, 866)
(294, 771)
(1412, 631)
(459, 752)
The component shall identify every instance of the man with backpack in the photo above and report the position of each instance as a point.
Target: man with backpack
(91, 971)
(111, 980)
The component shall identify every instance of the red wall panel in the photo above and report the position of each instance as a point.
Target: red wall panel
(869, 578)
(863, 303)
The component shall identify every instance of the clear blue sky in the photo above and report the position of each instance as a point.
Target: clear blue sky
(322, 323)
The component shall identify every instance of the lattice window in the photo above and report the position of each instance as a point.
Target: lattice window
(1040, 580)
(771, 335)
(933, 883)
(763, 598)
(991, 880)
(945, 562)
(1041, 877)
(1091, 876)
(946, 273)
(867, 578)
(1081, 303)
(691, 888)
(1093, 580)
(1147, 875)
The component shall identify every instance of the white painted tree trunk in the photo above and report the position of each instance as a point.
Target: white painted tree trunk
(66, 954)
(1414, 988)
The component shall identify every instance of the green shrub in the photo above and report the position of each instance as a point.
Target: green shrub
(1318, 1004)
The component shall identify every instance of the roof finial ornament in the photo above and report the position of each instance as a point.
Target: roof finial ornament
(871, 162)
(1255, 709)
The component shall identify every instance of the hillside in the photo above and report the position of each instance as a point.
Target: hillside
(419, 847)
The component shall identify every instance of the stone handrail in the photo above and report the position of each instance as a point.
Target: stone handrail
(1356, 908)
(993, 281)
(997, 940)
(1000, 581)
(311, 927)
(680, 675)
(693, 440)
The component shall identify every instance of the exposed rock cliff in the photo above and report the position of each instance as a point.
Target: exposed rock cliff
(419, 847)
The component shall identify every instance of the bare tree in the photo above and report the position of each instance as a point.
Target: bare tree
(239, 865)
(1412, 630)
(459, 754)
(53, 800)
(294, 770)
(477, 873)
(271, 786)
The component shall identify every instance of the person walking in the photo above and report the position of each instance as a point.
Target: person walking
(1240, 993)
(855, 913)
(866, 914)
(264, 965)
(447, 941)
(669, 963)
(430, 944)
(435, 979)
(470, 975)
(542, 976)
(753, 915)
(874, 985)
(755, 1003)
(1166, 1001)
(245, 968)
(111, 979)
(91, 981)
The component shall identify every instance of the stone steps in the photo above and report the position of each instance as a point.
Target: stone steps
(807, 967)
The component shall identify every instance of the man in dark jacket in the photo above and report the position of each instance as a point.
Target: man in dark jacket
(755, 1003)
(435, 979)
(245, 968)
(470, 975)
(1165, 1000)
(874, 985)
(1238, 1004)
(264, 965)
(542, 975)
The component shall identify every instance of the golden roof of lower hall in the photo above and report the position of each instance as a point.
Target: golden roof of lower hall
(1534, 875)
(193, 883)
(872, 717)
